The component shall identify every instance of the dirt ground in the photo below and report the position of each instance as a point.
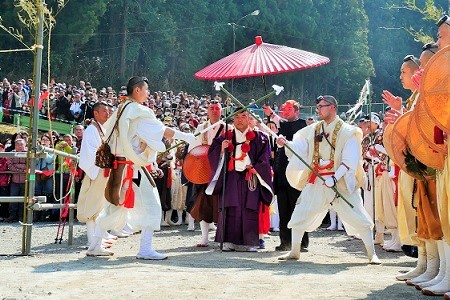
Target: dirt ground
(334, 268)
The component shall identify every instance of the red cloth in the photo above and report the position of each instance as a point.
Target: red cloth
(438, 135)
(395, 179)
(129, 194)
(318, 168)
(4, 178)
(264, 218)
(379, 170)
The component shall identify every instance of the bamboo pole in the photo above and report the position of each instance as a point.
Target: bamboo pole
(31, 170)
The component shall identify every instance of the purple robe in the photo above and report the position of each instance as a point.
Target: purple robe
(241, 204)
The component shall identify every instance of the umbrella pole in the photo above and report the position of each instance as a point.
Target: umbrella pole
(225, 164)
(265, 88)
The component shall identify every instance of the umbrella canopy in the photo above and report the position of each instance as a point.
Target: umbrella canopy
(261, 59)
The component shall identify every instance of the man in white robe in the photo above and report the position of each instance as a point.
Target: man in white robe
(91, 199)
(333, 149)
(135, 143)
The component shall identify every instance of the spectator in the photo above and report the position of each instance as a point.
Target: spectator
(44, 181)
(62, 106)
(17, 165)
(4, 183)
(75, 107)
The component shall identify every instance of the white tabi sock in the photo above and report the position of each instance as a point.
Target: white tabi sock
(367, 238)
(191, 222)
(420, 267)
(146, 246)
(442, 267)
(432, 268)
(442, 287)
(90, 226)
(180, 217)
(294, 254)
(333, 216)
(205, 232)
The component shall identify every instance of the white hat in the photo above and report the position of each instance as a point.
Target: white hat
(375, 118)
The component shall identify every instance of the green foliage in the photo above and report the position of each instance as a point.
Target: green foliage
(107, 41)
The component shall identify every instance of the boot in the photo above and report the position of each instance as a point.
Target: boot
(96, 248)
(191, 222)
(367, 238)
(394, 244)
(442, 266)
(146, 249)
(420, 267)
(444, 286)
(432, 268)
(294, 254)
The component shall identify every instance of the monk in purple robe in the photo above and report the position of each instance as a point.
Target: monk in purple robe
(248, 182)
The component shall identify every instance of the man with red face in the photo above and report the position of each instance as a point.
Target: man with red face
(204, 207)
(287, 196)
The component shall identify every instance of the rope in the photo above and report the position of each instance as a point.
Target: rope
(16, 50)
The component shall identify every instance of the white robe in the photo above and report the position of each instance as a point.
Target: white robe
(91, 199)
(316, 199)
(139, 140)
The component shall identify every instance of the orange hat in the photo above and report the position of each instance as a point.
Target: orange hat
(435, 88)
(426, 128)
(398, 142)
(419, 146)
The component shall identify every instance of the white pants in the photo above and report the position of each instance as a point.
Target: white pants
(316, 199)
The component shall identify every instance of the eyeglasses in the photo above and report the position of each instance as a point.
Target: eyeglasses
(137, 80)
(443, 20)
(429, 47)
(411, 58)
(320, 106)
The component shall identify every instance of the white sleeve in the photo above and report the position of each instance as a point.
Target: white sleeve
(151, 132)
(351, 153)
(299, 146)
(89, 145)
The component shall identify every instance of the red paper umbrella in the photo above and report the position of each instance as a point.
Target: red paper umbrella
(261, 59)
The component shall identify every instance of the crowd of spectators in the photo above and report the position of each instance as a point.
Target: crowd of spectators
(73, 103)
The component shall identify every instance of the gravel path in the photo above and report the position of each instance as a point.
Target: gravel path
(335, 267)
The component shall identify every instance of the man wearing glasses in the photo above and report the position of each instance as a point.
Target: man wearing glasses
(135, 142)
(333, 149)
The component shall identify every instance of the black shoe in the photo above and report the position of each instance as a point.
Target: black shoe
(283, 247)
(262, 244)
(303, 249)
(11, 219)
